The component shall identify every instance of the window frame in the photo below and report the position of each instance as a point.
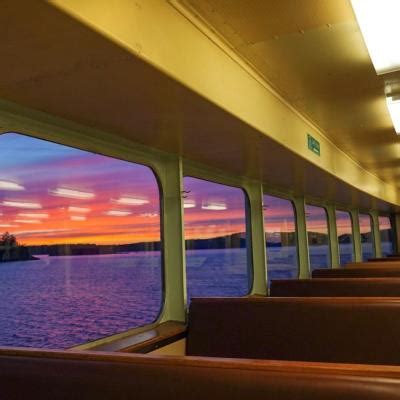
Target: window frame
(328, 224)
(280, 195)
(352, 233)
(373, 227)
(189, 171)
(392, 228)
(140, 155)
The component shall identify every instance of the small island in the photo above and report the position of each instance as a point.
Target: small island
(11, 250)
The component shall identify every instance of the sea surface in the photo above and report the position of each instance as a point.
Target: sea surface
(60, 302)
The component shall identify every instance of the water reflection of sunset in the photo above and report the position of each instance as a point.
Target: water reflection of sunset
(55, 194)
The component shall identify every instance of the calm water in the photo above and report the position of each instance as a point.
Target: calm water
(59, 302)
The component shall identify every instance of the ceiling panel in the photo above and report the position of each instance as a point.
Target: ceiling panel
(313, 54)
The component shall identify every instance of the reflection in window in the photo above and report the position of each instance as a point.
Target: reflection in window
(280, 238)
(318, 238)
(345, 237)
(386, 234)
(215, 234)
(367, 238)
(83, 232)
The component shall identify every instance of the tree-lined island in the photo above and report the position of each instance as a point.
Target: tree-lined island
(11, 250)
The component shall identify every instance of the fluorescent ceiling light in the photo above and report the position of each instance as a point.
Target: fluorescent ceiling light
(28, 221)
(8, 226)
(214, 206)
(189, 204)
(379, 24)
(78, 218)
(21, 204)
(72, 193)
(117, 213)
(131, 201)
(148, 215)
(79, 209)
(33, 215)
(393, 104)
(7, 185)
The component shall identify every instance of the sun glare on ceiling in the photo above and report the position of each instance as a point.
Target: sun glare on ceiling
(379, 24)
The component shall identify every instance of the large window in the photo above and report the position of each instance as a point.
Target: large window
(215, 234)
(367, 237)
(386, 233)
(280, 238)
(318, 238)
(80, 243)
(344, 229)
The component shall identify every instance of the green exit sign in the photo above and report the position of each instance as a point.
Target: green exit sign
(313, 145)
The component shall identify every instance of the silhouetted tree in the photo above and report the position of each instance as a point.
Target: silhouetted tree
(8, 240)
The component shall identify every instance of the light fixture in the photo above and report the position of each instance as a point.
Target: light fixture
(214, 206)
(148, 215)
(71, 193)
(78, 209)
(78, 218)
(21, 204)
(8, 185)
(33, 215)
(131, 201)
(28, 221)
(393, 104)
(379, 25)
(117, 213)
(189, 203)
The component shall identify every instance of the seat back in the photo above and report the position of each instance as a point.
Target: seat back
(62, 376)
(336, 287)
(347, 329)
(358, 272)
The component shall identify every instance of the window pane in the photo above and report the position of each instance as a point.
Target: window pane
(367, 238)
(86, 249)
(344, 229)
(318, 239)
(215, 234)
(280, 238)
(386, 233)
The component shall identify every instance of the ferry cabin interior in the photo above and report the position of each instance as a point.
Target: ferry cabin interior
(278, 100)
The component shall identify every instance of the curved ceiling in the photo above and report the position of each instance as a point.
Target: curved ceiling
(313, 54)
(56, 64)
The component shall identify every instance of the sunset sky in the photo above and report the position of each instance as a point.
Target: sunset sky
(56, 194)
(51, 194)
(212, 209)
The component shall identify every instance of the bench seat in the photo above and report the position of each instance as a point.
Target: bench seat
(336, 287)
(359, 272)
(324, 329)
(45, 375)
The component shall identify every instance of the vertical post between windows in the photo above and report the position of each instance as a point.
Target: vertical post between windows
(256, 221)
(356, 235)
(302, 241)
(333, 239)
(376, 233)
(173, 241)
